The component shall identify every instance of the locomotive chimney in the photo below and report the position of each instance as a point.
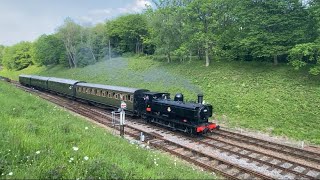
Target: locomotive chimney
(200, 98)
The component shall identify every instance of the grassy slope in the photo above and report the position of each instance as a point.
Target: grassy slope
(253, 95)
(37, 140)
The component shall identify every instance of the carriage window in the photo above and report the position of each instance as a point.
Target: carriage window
(98, 92)
(79, 89)
(131, 98)
(125, 97)
(110, 95)
(103, 93)
(88, 90)
(116, 96)
(93, 91)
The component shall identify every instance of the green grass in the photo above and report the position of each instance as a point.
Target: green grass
(38, 139)
(259, 96)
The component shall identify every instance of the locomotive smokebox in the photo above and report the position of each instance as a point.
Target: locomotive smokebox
(200, 98)
(178, 97)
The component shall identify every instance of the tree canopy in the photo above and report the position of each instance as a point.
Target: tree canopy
(282, 31)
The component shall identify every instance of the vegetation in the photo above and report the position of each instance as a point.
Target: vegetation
(277, 100)
(1, 53)
(284, 31)
(42, 141)
(17, 57)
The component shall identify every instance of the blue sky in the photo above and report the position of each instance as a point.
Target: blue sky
(25, 20)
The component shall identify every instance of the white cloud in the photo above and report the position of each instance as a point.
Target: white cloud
(137, 6)
(100, 15)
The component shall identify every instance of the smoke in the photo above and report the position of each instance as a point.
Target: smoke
(117, 71)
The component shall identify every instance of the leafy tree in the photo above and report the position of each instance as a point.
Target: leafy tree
(18, 56)
(70, 34)
(166, 26)
(304, 54)
(49, 49)
(126, 33)
(202, 15)
(99, 41)
(271, 28)
(1, 53)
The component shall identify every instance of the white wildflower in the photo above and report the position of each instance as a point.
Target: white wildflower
(38, 152)
(86, 128)
(10, 173)
(71, 159)
(75, 148)
(86, 158)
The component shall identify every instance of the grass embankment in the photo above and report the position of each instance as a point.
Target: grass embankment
(273, 99)
(42, 141)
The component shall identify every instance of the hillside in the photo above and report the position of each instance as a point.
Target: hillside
(263, 97)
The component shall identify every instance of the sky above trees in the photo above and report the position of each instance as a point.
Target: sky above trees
(27, 20)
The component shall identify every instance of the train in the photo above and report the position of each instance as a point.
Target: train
(152, 107)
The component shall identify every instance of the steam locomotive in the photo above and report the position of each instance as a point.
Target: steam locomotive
(153, 107)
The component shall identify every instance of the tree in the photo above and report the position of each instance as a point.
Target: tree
(307, 53)
(49, 49)
(271, 28)
(126, 33)
(1, 53)
(166, 26)
(70, 34)
(18, 56)
(201, 14)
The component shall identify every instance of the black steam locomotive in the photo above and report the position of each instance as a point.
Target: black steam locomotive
(154, 107)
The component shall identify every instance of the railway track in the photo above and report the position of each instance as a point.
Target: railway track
(212, 153)
(276, 147)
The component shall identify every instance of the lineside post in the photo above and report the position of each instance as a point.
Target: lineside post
(122, 118)
(122, 122)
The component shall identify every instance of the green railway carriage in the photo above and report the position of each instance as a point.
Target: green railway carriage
(39, 82)
(25, 79)
(109, 95)
(62, 86)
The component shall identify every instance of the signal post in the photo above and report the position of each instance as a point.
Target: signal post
(122, 118)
